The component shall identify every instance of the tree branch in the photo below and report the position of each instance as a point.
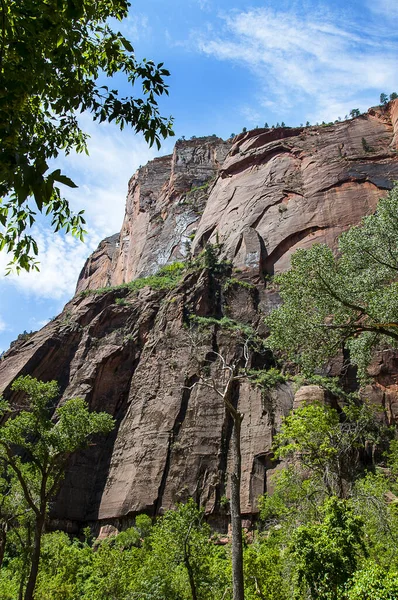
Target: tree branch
(376, 328)
(345, 303)
(21, 479)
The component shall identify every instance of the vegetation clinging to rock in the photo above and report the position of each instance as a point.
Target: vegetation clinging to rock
(345, 301)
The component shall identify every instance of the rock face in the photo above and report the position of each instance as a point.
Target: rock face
(262, 197)
(165, 201)
(135, 354)
(283, 189)
(136, 359)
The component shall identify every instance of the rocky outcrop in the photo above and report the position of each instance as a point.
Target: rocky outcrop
(165, 201)
(135, 353)
(100, 266)
(285, 189)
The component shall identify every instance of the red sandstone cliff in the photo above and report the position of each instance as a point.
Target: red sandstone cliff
(270, 193)
(165, 201)
(262, 197)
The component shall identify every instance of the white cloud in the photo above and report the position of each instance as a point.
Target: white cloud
(320, 60)
(102, 178)
(252, 116)
(61, 259)
(204, 4)
(135, 27)
(388, 8)
(3, 325)
(3, 328)
(38, 323)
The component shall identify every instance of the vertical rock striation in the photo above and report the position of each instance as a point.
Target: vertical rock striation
(165, 201)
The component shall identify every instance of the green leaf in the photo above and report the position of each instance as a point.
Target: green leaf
(59, 81)
(127, 45)
(65, 180)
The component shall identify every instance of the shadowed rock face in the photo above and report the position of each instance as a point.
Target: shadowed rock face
(269, 193)
(137, 360)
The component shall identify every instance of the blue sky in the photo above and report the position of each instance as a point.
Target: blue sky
(233, 64)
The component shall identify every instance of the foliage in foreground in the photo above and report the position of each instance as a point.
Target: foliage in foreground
(331, 510)
(54, 57)
(35, 444)
(328, 444)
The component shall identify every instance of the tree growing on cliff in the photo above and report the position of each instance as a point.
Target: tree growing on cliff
(348, 301)
(36, 445)
(326, 445)
(222, 375)
(224, 388)
(52, 54)
(384, 99)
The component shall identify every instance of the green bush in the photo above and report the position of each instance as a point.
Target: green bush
(267, 379)
(232, 282)
(167, 278)
(373, 582)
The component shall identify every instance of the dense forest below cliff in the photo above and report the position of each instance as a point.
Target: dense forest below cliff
(328, 531)
(213, 414)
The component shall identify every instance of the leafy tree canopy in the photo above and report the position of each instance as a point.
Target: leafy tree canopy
(180, 558)
(264, 575)
(36, 446)
(373, 582)
(37, 443)
(327, 444)
(52, 53)
(326, 553)
(348, 301)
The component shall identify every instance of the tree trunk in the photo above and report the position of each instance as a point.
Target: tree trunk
(189, 566)
(236, 521)
(191, 578)
(25, 553)
(34, 567)
(3, 539)
(21, 584)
